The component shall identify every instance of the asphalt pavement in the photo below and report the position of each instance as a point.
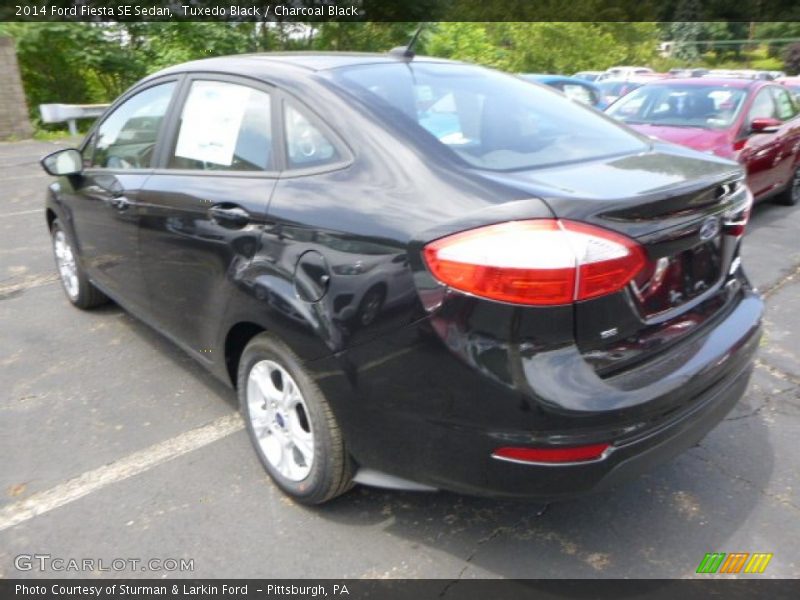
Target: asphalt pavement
(114, 444)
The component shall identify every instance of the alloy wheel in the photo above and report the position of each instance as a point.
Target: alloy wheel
(65, 261)
(280, 421)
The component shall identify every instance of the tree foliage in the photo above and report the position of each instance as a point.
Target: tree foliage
(362, 37)
(71, 62)
(791, 59)
(95, 62)
(552, 47)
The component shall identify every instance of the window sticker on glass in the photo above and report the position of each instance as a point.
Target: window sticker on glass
(211, 120)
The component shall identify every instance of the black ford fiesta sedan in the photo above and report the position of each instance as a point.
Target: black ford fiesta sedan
(416, 273)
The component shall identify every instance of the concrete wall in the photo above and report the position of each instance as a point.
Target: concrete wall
(13, 108)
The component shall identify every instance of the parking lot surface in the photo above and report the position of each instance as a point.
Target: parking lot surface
(116, 445)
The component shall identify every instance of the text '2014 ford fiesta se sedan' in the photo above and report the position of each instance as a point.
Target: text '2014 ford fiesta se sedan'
(417, 273)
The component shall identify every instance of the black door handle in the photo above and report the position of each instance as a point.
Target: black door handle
(229, 215)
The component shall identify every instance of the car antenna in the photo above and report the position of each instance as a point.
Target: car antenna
(407, 52)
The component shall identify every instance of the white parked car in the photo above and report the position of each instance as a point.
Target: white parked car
(624, 73)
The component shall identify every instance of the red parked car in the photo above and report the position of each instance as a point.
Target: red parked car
(754, 122)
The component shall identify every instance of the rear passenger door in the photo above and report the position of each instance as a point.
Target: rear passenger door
(204, 206)
(342, 266)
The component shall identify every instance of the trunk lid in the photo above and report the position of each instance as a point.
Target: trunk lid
(682, 207)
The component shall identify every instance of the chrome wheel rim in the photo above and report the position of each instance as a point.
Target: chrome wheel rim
(65, 261)
(279, 418)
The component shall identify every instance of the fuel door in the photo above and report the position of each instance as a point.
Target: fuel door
(311, 276)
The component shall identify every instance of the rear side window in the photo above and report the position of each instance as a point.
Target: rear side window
(306, 145)
(127, 138)
(785, 105)
(489, 119)
(763, 106)
(224, 127)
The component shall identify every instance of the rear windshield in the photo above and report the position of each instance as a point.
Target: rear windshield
(681, 105)
(489, 119)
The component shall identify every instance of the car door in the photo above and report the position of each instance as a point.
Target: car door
(787, 159)
(760, 153)
(203, 207)
(104, 203)
(349, 281)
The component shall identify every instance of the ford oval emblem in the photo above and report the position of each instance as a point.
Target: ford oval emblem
(709, 229)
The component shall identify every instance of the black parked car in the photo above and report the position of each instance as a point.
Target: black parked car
(417, 273)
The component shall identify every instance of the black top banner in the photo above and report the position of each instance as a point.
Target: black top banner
(400, 10)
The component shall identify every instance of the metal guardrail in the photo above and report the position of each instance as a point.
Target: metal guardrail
(70, 113)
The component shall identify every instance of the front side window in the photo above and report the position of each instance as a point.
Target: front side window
(224, 127)
(306, 145)
(795, 91)
(127, 138)
(680, 105)
(489, 119)
(784, 103)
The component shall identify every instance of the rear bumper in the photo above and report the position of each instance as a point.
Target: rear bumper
(418, 411)
(664, 445)
(626, 461)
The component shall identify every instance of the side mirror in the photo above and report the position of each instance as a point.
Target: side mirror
(63, 162)
(765, 125)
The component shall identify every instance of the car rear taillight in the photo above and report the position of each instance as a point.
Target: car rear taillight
(536, 262)
(553, 455)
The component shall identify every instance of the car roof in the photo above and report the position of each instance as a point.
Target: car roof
(620, 80)
(547, 77)
(706, 81)
(264, 64)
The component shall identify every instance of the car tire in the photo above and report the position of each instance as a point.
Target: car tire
(291, 424)
(76, 285)
(791, 195)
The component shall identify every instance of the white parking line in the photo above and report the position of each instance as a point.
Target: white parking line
(131, 465)
(22, 212)
(28, 176)
(26, 283)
